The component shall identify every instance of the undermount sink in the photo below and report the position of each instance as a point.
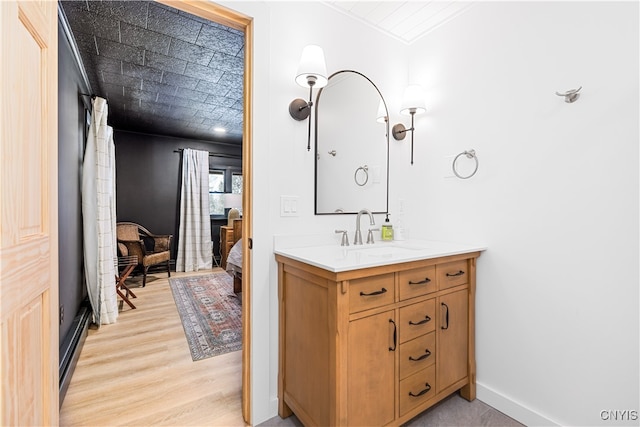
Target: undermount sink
(385, 245)
(338, 258)
(382, 249)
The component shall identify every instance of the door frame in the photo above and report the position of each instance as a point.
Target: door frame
(225, 16)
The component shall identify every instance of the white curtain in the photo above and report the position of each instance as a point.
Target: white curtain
(194, 237)
(99, 216)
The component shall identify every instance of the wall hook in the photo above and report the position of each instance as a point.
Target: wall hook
(570, 95)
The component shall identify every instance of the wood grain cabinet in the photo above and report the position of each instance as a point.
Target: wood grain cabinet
(375, 346)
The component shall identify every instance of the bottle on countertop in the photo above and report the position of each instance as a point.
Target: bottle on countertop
(387, 230)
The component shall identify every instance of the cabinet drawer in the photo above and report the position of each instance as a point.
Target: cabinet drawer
(417, 282)
(417, 389)
(417, 319)
(417, 354)
(371, 292)
(452, 274)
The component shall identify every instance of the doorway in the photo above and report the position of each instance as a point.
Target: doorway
(217, 14)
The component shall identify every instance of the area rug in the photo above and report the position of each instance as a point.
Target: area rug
(210, 313)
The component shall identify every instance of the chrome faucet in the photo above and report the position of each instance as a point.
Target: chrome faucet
(358, 238)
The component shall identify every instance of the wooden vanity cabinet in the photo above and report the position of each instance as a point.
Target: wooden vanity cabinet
(375, 346)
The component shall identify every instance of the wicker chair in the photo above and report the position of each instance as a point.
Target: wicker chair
(151, 249)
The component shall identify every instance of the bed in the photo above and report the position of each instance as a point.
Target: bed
(233, 261)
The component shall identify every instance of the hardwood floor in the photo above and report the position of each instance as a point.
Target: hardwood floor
(139, 371)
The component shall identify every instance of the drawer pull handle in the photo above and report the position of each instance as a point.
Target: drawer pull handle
(422, 322)
(446, 318)
(428, 387)
(426, 354)
(395, 336)
(380, 292)
(421, 282)
(459, 273)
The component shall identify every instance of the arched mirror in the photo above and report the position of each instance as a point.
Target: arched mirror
(352, 146)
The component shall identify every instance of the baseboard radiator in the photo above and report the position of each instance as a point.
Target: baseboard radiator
(71, 347)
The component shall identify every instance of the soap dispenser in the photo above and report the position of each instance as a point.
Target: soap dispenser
(387, 230)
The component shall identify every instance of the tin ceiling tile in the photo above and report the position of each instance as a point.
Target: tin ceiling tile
(193, 95)
(179, 80)
(190, 52)
(209, 88)
(120, 51)
(201, 72)
(139, 37)
(159, 87)
(164, 63)
(133, 12)
(173, 24)
(145, 73)
(159, 68)
(122, 80)
(220, 40)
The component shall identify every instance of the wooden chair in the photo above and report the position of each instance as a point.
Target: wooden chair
(150, 249)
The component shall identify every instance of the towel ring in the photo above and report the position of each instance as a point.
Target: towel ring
(364, 169)
(471, 154)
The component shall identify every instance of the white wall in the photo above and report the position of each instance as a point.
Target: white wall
(555, 198)
(281, 163)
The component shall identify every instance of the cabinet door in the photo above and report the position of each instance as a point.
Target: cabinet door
(372, 347)
(452, 345)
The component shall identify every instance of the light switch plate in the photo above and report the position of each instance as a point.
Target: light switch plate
(288, 205)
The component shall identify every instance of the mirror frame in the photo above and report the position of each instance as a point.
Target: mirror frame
(317, 109)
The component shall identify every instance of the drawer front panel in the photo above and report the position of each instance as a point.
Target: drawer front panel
(417, 319)
(417, 354)
(452, 274)
(417, 389)
(417, 282)
(371, 292)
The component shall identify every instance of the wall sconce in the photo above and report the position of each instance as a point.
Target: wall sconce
(312, 72)
(412, 104)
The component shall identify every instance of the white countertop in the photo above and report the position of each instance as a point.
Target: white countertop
(338, 258)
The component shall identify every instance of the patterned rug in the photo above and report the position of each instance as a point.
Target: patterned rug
(210, 313)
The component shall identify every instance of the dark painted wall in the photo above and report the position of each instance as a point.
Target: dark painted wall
(71, 113)
(148, 180)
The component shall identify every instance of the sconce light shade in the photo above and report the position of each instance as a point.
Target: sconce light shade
(312, 67)
(312, 72)
(413, 99)
(381, 116)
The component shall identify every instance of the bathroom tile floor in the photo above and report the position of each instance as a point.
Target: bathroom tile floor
(452, 411)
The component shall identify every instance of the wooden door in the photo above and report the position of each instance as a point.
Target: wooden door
(28, 219)
(371, 370)
(452, 339)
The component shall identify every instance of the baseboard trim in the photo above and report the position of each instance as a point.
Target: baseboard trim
(71, 347)
(510, 407)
